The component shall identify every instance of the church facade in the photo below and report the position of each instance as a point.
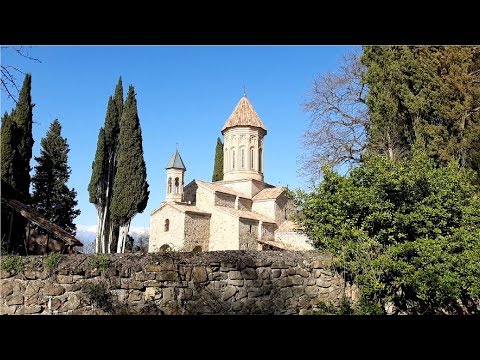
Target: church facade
(240, 212)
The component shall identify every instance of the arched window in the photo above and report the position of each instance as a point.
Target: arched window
(233, 159)
(251, 158)
(167, 225)
(169, 185)
(226, 164)
(260, 160)
(176, 185)
(242, 152)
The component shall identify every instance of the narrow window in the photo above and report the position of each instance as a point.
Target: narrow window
(260, 160)
(250, 228)
(251, 158)
(243, 158)
(226, 165)
(286, 214)
(233, 159)
(167, 225)
(176, 185)
(169, 185)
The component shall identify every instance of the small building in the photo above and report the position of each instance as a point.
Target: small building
(41, 236)
(241, 212)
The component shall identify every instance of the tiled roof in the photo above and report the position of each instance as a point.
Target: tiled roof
(176, 162)
(222, 189)
(244, 115)
(187, 208)
(245, 214)
(269, 193)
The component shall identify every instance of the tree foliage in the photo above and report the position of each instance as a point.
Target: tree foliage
(9, 151)
(407, 231)
(51, 196)
(130, 189)
(218, 164)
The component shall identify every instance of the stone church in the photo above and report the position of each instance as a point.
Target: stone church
(241, 212)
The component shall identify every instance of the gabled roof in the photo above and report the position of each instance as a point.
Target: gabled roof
(33, 216)
(269, 193)
(185, 208)
(288, 226)
(245, 214)
(244, 115)
(176, 162)
(221, 189)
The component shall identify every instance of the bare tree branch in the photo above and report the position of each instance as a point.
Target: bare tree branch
(8, 79)
(337, 132)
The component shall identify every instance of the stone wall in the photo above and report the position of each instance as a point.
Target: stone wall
(225, 282)
(197, 231)
(176, 229)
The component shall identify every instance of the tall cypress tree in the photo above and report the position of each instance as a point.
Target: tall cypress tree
(104, 169)
(130, 189)
(23, 116)
(8, 149)
(218, 165)
(51, 196)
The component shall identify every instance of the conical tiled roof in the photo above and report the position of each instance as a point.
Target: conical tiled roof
(176, 162)
(244, 115)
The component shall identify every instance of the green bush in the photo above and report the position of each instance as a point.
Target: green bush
(52, 260)
(100, 261)
(12, 262)
(98, 295)
(407, 232)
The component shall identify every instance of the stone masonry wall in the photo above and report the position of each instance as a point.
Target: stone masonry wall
(224, 282)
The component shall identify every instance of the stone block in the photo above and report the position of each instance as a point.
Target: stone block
(323, 283)
(30, 274)
(140, 276)
(216, 285)
(218, 276)
(237, 306)
(53, 290)
(33, 309)
(263, 273)
(6, 289)
(253, 283)
(285, 293)
(255, 292)
(249, 274)
(298, 291)
(235, 282)
(199, 274)
(15, 299)
(136, 285)
(152, 283)
(311, 291)
(5, 274)
(235, 275)
(64, 279)
(54, 304)
(135, 295)
(227, 266)
(303, 273)
(279, 264)
(309, 281)
(276, 273)
(72, 303)
(150, 293)
(229, 292)
(166, 275)
(296, 280)
(291, 271)
(241, 293)
(115, 283)
(283, 282)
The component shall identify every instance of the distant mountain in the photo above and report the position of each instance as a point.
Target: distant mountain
(86, 234)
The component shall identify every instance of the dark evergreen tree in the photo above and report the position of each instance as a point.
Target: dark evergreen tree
(218, 165)
(8, 149)
(51, 196)
(104, 169)
(23, 117)
(130, 189)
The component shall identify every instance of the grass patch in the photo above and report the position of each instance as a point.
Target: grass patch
(52, 260)
(101, 261)
(12, 262)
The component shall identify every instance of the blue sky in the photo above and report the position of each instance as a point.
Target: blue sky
(184, 95)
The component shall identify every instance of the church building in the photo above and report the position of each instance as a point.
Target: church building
(240, 212)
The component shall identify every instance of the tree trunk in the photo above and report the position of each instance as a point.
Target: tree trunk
(99, 248)
(122, 236)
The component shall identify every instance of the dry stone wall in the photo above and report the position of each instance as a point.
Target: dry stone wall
(223, 282)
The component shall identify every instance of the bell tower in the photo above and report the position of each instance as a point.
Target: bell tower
(175, 178)
(243, 143)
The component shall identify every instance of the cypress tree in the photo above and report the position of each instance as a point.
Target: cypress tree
(51, 196)
(130, 189)
(218, 165)
(8, 149)
(23, 116)
(104, 169)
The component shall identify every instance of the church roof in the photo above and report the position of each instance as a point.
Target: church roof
(176, 162)
(269, 193)
(288, 226)
(245, 214)
(222, 189)
(244, 115)
(185, 208)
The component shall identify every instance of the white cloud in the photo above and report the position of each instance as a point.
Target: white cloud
(134, 230)
(87, 228)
